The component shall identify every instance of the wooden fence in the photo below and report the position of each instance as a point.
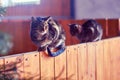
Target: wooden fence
(89, 61)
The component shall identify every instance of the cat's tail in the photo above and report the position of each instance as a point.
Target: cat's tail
(53, 54)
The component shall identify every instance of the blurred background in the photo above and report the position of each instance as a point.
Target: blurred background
(63, 9)
(16, 16)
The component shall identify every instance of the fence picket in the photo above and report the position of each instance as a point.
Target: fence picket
(99, 61)
(60, 66)
(82, 62)
(91, 60)
(72, 63)
(115, 58)
(47, 67)
(106, 58)
(31, 66)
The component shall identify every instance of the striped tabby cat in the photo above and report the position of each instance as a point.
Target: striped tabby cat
(48, 35)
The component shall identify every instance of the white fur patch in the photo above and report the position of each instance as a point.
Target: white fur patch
(59, 43)
(92, 29)
(57, 30)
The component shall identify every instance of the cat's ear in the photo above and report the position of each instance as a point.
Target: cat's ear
(49, 18)
(32, 18)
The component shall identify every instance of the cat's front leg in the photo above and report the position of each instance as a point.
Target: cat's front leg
(42, 48)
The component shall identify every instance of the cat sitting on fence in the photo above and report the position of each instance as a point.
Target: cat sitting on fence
(48, 35)
(90, 31)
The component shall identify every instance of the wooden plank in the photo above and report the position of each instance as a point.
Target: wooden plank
(82, 62)
(115, 58)
(106, 58)
(28, 45)
(72, 72)
(106, 28)
(60, 66)
(14, 67)
(119, 26)
(2, 67)
(47, 67)
(18, 31)
(31, 66)
(91, 60)
(113, 27)
(99, 61)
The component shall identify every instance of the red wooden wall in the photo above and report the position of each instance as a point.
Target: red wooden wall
(19, 29)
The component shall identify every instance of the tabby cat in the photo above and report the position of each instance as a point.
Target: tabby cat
(48, 35)
(89, 31)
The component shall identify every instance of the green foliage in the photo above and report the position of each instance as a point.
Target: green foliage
(5, 43)
(2, 10)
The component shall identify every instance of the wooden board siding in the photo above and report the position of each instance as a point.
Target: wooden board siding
(89, 61)
(107, 57)
(113, 27)
(115, 58)
(82, 62)
(60, 67)
(31, 66)
(47, 67)
(72, 54)
(99, 60)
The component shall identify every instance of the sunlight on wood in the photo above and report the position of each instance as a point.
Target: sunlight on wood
(89, 61)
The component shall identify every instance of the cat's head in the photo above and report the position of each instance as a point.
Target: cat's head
(39, 28)
(75, 29)
(40, 24)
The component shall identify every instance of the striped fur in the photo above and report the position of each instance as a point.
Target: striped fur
(47, 34)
